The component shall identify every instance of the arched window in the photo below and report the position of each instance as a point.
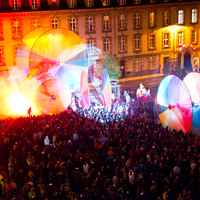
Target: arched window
(90, 24)
(122, 22)
(54, 22)
(106, 23)
(137, 20)
(122, 44)
(152, 19)
(166, 18)
(73, 24)
(16, 28)
(107, 44)
(180, 16)
(194, 16)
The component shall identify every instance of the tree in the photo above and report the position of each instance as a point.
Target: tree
(113, 66)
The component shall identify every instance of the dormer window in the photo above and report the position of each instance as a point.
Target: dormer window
(34, 4)
(72, 3)
(105, 2)
(136, 1)
(53, 3)
(89, 3)
(15, 4)
(122, 2)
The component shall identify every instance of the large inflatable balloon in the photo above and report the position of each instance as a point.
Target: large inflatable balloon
(53, 97)
(175, 105)
(60, 58)
(192, 81)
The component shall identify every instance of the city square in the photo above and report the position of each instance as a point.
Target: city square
(99, 99)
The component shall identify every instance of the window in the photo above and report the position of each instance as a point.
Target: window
(105, 2)
(122, 2)
(194, 17)
(137, 1)
(90, 23)
(122, 44)
(194, 37)
(34, 4)
(53, 3)
(137, 21)
(91, 43)
(152, 62)
(137, 64)
(107, 45)
(165, 40)
(166, 18)
(72, 3)
(73, 24)
(1, 30)
(137, 41)
(180, 16)
(35, 23)
(16, 29)
(152, 19)
(180, 38)
(106, 23)
(15, 48)
(2, 56)
(54, 22)
(15, 4)
(152, 41)
(89, 3)
(122, 22)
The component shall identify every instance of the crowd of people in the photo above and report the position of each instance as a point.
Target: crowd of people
(69, 156)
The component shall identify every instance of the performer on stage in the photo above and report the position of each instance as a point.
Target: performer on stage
(142, 93)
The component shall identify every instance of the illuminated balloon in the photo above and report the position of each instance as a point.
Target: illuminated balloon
(192, 81)
(47, 46)
(175, 105)
(62, 58)
(53, 97)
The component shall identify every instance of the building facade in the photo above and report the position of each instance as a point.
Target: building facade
(146, 36)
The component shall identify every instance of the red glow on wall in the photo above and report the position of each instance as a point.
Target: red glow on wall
(15, 3)
(34, 3)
